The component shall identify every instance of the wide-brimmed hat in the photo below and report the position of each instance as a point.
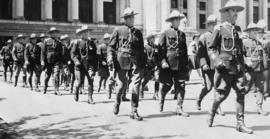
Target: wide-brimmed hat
(42, 35)
(211, 19)
(9, 41)
(20, 36)
(83, 29)
(64, 37)
(53, 30)
(252, 27)
(128, 12)
(231, 4)
(175, 14)
(262, 24)
(106, 36)
(33, 36)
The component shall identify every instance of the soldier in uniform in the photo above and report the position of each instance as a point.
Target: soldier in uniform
(151, 51)
(227, 53)
(206, 63)
(32, 61)
(40, 43)
(7, 60)
(173, 61)
(84, 56)
(103, 70)
(18, 57)
(51, 58)
(256, 59)
(66, 61)
(125, 53)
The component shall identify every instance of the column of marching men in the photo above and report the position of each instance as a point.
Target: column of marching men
(228, 57)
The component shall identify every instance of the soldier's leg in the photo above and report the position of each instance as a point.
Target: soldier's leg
(146, 78)
(266, 83)
(259, 84)
(56, 78)
(101, 79)
(121, 79)
(37, 71)
(48, 73)
(166, 82)
(24, 70)
(5, 65)
(90, 78)
(111, 82)
(11, 72)
(180, 88)
(79, 79)
(30, 75)
(17, 73)
(155, 96)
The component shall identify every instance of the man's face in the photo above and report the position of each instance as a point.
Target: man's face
(152, 40)
(260, 34)
(232, 15)
(21, 40)
(211, 26)
(33, 40)
(106, 41)
(85, 34)
(175, 22)
(130, 20)
(252, 34)
(54, 34)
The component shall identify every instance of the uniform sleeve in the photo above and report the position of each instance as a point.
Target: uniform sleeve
(185, 50)
(202, 51)
(2, 51)
(216, 40)
(266, 56)
(162, 48)
(74, 51)
(14, 53)
(26, 52)
(43, 52)
(112, 44)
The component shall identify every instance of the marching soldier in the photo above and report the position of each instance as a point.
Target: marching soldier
(51, 58)
(151, 51)
(227, 53)
(32, 61)
(173, 61)
(103, 66)
(18, 57)
(256, 60)
(40, 43)
(6, 53)
(126, 52)
(206, 63)
(84, 56)
(65, 73)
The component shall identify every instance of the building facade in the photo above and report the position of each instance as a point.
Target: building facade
(27, 16)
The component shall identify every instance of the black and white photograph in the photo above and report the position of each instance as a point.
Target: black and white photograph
(134, 69)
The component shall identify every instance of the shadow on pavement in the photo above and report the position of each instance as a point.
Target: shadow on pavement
(261, 127)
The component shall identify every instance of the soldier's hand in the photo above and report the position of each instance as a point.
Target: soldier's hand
(103, 63)
(165, 65)
(42, 63)
(205, 67)
(77, 63)
(220, 66)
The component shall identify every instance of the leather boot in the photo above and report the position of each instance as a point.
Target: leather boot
(24, 82)
(210, 119)
(16, 81)
(90, 96)
(241, 127)
(124, 97)
(45, 89)
(134, 115)
(30, 83)
(180, 112)
(76, 94)
(116, 109)
(261, 111)
(198, 104)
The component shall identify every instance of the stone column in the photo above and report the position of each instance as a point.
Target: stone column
(18, 9)
(192, 13)
(100, 13)
(250, 11)
(265, 12)
(73, 10)
(46, 10)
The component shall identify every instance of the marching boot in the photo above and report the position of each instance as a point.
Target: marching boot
(124, 97)
(180, 112)
(24, 82)
(16, 81)
(135, 115)
(76, 94)
(220, 112)
(210, 119)
(37, 89)
(261, 111)
(109, 91)
(5, 76)
(30, 83)
(90, 96)
(198, 104)
(116, 109)
(45, 89)
(155, 96)
(57, 92)
(241, 127)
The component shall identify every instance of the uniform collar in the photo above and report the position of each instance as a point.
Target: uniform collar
(176, 29)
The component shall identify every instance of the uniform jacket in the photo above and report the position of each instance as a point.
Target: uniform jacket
(32, 53)
(126, 48)
(52, 52)
(173, 49)
(102, 54)
(227, 47)
(151, 51)
(6, 52)
(256, 56)
(204, 53)
(18, 52)
(84, 52)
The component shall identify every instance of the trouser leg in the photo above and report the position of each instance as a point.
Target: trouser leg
(47, 78)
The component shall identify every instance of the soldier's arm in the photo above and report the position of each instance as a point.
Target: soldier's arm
(266, 55)
(216, 40)
(73, 53)
(162, 50)
(185, 50)
(2, 51)
(111, 49)
(13, 52)
(26, 52)
(43, 52)
(202, 51)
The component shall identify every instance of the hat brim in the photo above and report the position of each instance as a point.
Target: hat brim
(252, 29)
(211, 22)
(83, 30)
(21, 37)
(174, 17)
(53, 31)
(128, 15)
(238, 8)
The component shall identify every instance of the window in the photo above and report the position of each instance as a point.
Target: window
(202, 6)
(60, 10)
(86, 11)
(185, 4)
(32, 10)
(109, 11)
(255, 14)
(5, 9)
(202, 19)
(174, 4)
(268, 19)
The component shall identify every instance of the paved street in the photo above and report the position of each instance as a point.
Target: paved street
(34, 115)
